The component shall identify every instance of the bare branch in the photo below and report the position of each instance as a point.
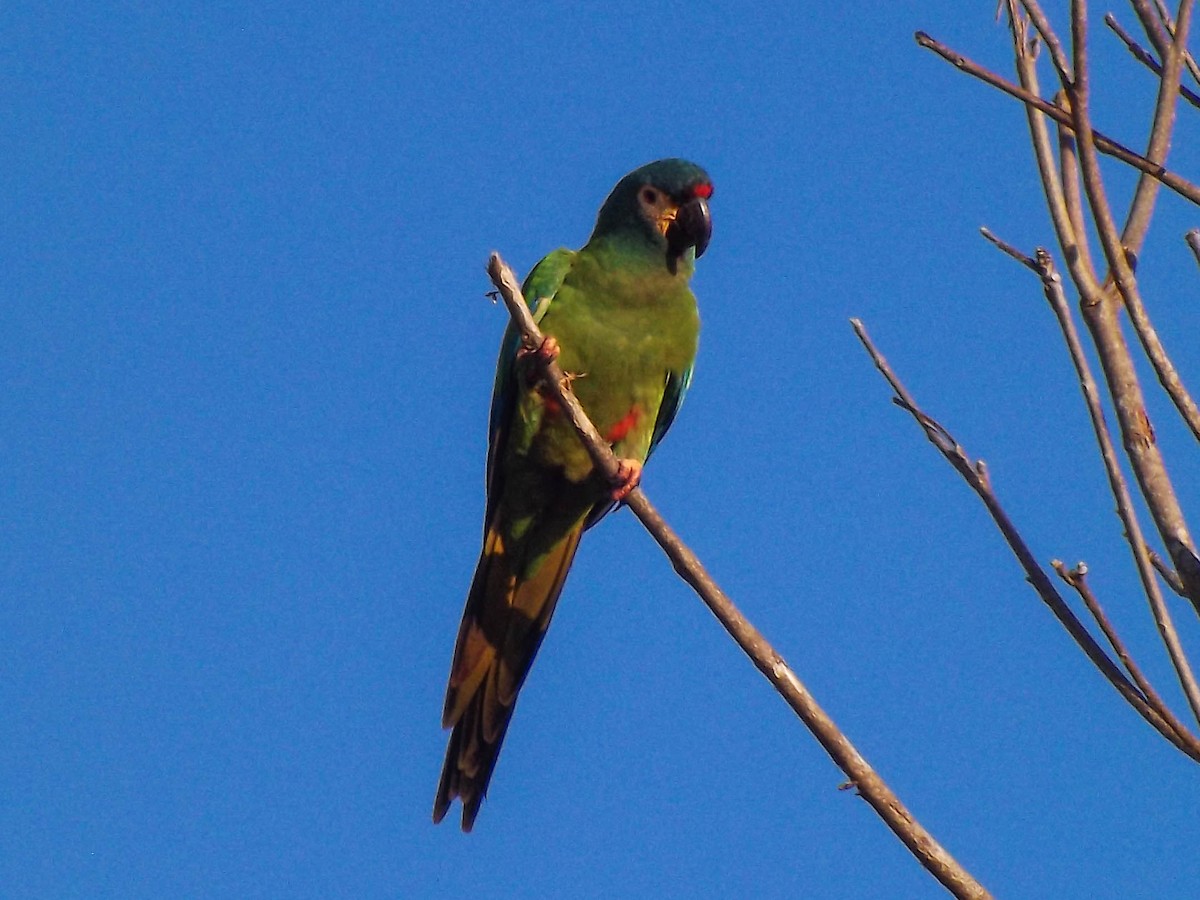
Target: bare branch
(1138, 221)
(1009, 249)
(1167, 374)
(1077, 578)
(1104, 144)
(1142, 55)
(1084, 275)
(1193, 241)
(1055, 296)
(1103, 320)
(975, 475)
(1164, 16)
(870, 786)
(1152, 24)
(1050, 39)
(1169, 575)
(1061, 189)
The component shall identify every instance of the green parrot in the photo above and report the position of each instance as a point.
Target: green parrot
(620, 317)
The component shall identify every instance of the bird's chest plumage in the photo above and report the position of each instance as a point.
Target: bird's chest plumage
(619, 342)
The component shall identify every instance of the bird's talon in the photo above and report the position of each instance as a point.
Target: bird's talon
(629, 476)
(546, 352)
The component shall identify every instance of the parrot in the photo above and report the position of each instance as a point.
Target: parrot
(620, 318)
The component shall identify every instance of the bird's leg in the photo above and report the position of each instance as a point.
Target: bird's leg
(629, 476)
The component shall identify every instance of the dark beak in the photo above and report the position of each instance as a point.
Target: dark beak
(692, 228)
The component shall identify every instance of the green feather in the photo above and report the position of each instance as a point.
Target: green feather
(627, 326)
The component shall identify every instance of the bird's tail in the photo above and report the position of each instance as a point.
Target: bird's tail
(508, 611)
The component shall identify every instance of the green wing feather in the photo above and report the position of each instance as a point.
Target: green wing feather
(539, 289)
(673, 394)
(511, 598)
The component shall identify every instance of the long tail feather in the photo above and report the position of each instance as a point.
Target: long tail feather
(507, 614)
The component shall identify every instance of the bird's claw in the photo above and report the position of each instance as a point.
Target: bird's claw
(629, 476)
(545, 352)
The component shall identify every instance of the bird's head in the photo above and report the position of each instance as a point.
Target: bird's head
(662, 206)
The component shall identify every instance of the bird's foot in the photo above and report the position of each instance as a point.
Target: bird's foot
(629, 476)
(545, 352)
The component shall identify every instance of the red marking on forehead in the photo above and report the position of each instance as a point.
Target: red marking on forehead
(703, 190)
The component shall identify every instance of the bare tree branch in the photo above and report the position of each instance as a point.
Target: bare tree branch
(1169, 575)
(1050, 39)
(1076, 199)
(1193, 241)
(975, 474)
(957, 880)
(1055, 296)
(1152, 24)
(1142, 55)
(1104, 144)
(1077, 578)
(1138, 221)
(1103, 321)
(1164, 17)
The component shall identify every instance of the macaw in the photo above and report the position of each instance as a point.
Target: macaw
(620, 317)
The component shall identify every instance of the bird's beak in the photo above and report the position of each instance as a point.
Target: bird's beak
(691, 227)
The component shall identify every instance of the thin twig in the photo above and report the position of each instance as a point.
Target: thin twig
(1076, 577)
(975, 475)
(1104, 144)
(1009, 249)
(1152, 25)
(1164, 368)
(1168, 574)
(1142, 55)
(1043, 265)
(1164, 16)
(1103, 320)
(1060, 189)
(1050, 39)
(1193, 241)
(871, 787)
(1068, 160)
(1137, 223)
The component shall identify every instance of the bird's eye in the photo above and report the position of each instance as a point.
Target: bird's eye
(649, 195)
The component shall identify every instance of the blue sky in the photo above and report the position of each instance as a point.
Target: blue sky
(246, 359)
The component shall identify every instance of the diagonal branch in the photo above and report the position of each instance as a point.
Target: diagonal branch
(1057, 55)
(1193, 241)
(1165, 30)
(1103, 321)
(1043, 266)
(1142, 55)
(1076, 578)
(1138, 221)
(1104, 144)
(975, 474)
(1152, 24)
(872, 788)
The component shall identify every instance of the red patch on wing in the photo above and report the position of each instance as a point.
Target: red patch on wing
(624, 426)
(703, 190)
